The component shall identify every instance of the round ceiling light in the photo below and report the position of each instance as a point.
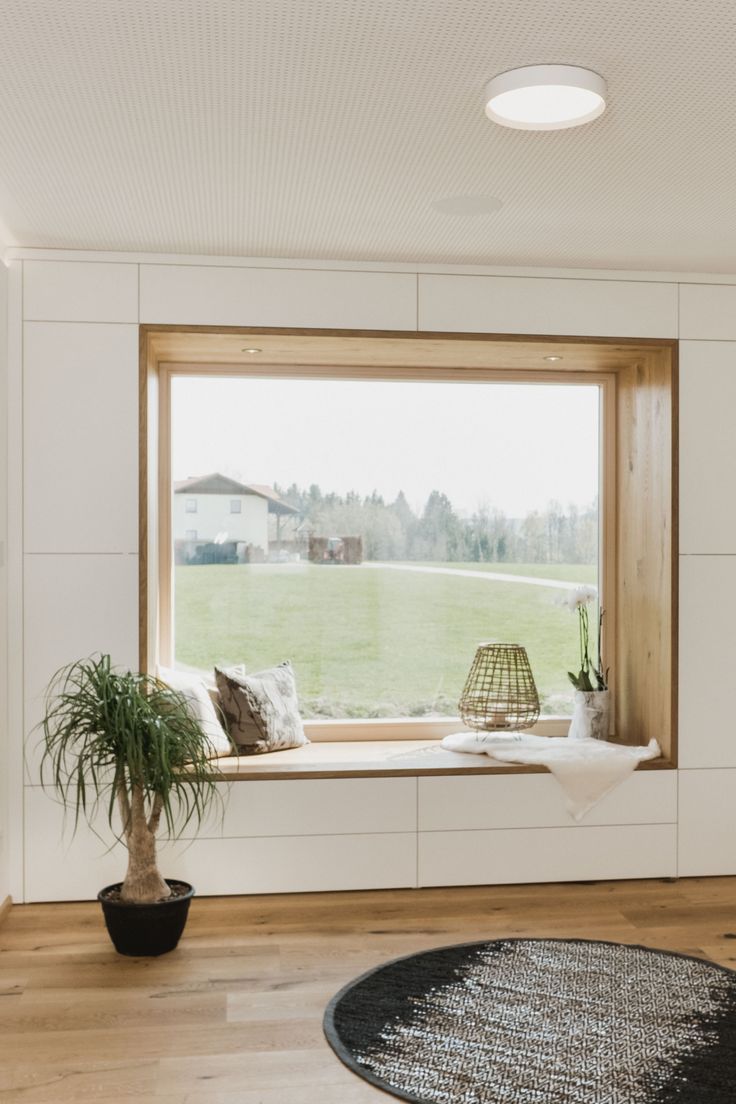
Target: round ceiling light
(545, 97)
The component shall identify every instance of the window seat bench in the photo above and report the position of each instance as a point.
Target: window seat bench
(376, 759)
(378, 815)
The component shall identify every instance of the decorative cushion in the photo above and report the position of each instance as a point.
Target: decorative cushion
(201, 707)
(261, 710)
(214, 693)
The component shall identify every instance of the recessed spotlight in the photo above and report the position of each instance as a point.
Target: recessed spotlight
(553, 358)
(468, 205)
(545, 97)
(251, 351)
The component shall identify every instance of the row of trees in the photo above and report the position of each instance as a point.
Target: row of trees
(394, 531)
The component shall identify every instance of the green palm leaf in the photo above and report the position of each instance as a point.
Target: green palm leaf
(127, 741)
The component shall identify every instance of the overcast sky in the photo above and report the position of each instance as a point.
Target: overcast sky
(513, 446)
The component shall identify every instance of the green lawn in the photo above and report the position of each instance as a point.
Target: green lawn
(368, 642)
(568, 573)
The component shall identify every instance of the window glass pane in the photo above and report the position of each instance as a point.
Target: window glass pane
(386, 528)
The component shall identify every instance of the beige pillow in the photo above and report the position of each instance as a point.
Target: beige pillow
(201, 707)
(261, 710)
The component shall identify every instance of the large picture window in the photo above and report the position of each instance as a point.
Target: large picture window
(405, 496)
(384, 528)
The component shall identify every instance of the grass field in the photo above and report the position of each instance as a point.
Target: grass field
(367, 642)
(567, 573)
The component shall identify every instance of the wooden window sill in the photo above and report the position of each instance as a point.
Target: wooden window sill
(376, 759)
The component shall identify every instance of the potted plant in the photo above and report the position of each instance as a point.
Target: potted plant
(592, 708)
(127, 743)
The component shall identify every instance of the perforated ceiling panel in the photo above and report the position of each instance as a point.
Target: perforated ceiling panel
(328, 128)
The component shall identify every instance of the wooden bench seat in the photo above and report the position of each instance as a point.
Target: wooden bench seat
(376, 759)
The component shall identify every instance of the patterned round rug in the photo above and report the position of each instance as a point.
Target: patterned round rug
(542, 1021)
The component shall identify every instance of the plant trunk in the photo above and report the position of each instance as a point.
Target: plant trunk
(143, 882)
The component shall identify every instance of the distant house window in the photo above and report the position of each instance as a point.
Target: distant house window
(236, 506)
(191, 506)
(190, 534)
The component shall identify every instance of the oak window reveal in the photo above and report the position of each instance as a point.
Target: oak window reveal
(634, 384)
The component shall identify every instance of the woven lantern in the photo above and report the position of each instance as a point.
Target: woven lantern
(499, 692)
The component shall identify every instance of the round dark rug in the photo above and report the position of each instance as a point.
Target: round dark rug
(542, 1021)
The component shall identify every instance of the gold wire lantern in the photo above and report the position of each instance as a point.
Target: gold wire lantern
(499, 693)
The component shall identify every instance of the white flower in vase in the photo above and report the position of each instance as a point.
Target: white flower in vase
(591, 713)
(578, 597)
(591, 675)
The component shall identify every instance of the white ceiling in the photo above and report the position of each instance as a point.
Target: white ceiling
(326, 129)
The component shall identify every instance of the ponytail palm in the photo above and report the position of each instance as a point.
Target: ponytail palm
(127, 741)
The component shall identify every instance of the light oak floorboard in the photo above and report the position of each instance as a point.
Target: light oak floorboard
(234, 1015)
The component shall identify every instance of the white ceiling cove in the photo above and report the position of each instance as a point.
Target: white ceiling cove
(330, 129)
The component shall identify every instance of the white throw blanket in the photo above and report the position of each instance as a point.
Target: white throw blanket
(586, 769)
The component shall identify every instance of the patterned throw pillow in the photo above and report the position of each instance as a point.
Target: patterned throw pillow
(261, 710)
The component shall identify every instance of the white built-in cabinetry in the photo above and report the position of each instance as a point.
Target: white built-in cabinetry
(372, 833)
(73, 578)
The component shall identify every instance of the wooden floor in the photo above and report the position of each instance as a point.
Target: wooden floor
(234, 1015)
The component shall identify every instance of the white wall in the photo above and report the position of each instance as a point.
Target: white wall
(73, 429)
(4, 866)
(213, 516)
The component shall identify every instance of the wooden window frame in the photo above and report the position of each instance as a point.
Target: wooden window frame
(638, 381)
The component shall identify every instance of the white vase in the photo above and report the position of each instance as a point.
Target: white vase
(591, 715)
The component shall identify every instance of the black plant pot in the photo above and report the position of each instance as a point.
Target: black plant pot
(145, 930)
